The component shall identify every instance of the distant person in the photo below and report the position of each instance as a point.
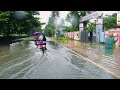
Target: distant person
(36, 38)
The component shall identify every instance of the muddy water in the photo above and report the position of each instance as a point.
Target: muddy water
(109, 58)
(23, 60)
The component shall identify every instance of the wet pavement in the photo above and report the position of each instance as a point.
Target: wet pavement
(23, 60)
(107, 58)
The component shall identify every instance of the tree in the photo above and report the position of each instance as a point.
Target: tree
(74, 17)
(55, 16)
(61, 25)
(18, 22)
(50, 27)
(5, 17)
(48, 31)
(90, 26)
(69, 29)
(109, 22)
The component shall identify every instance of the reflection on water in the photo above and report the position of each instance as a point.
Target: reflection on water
(23, 60)
(4, 48)
(15, 57)
(109, 58)
(9, 51)
(54, 44)
(9, 47)
(108, 52)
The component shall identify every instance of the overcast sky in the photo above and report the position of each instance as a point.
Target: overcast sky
(44, 15)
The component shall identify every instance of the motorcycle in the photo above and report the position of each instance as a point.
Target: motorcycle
(42, 46)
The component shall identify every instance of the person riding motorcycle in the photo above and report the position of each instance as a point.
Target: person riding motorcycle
(42, 40)
(36, 38)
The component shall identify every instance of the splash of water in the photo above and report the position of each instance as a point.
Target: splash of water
(20, 14)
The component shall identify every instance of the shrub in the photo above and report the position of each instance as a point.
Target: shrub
(111, 35)
(62, 35)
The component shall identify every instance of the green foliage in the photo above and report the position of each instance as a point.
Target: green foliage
(90, 26)
(111, 35)
(49, 31)
(27, 39)
(74, 17)
(11, 24)
(60, 39)
(70, 29)
(50, 27)
(109, 21)
(62, 35)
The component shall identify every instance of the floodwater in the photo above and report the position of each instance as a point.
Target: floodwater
(23, 60)
(108, 58)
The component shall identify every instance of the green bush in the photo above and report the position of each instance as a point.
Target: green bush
(111, 35)
(62, 35)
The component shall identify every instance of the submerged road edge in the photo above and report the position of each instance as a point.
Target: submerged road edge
(102, 67)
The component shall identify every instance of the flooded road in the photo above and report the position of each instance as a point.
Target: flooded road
(23, 60)
(108, 58)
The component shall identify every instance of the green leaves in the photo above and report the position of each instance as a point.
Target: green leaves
(90, 26)
(74, 17)
(49, 31)
(11, 22)
(70, 29)
(50, 27)
(109, 22)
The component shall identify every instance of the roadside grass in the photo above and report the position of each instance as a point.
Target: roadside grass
(61, 39)
(27, 39)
